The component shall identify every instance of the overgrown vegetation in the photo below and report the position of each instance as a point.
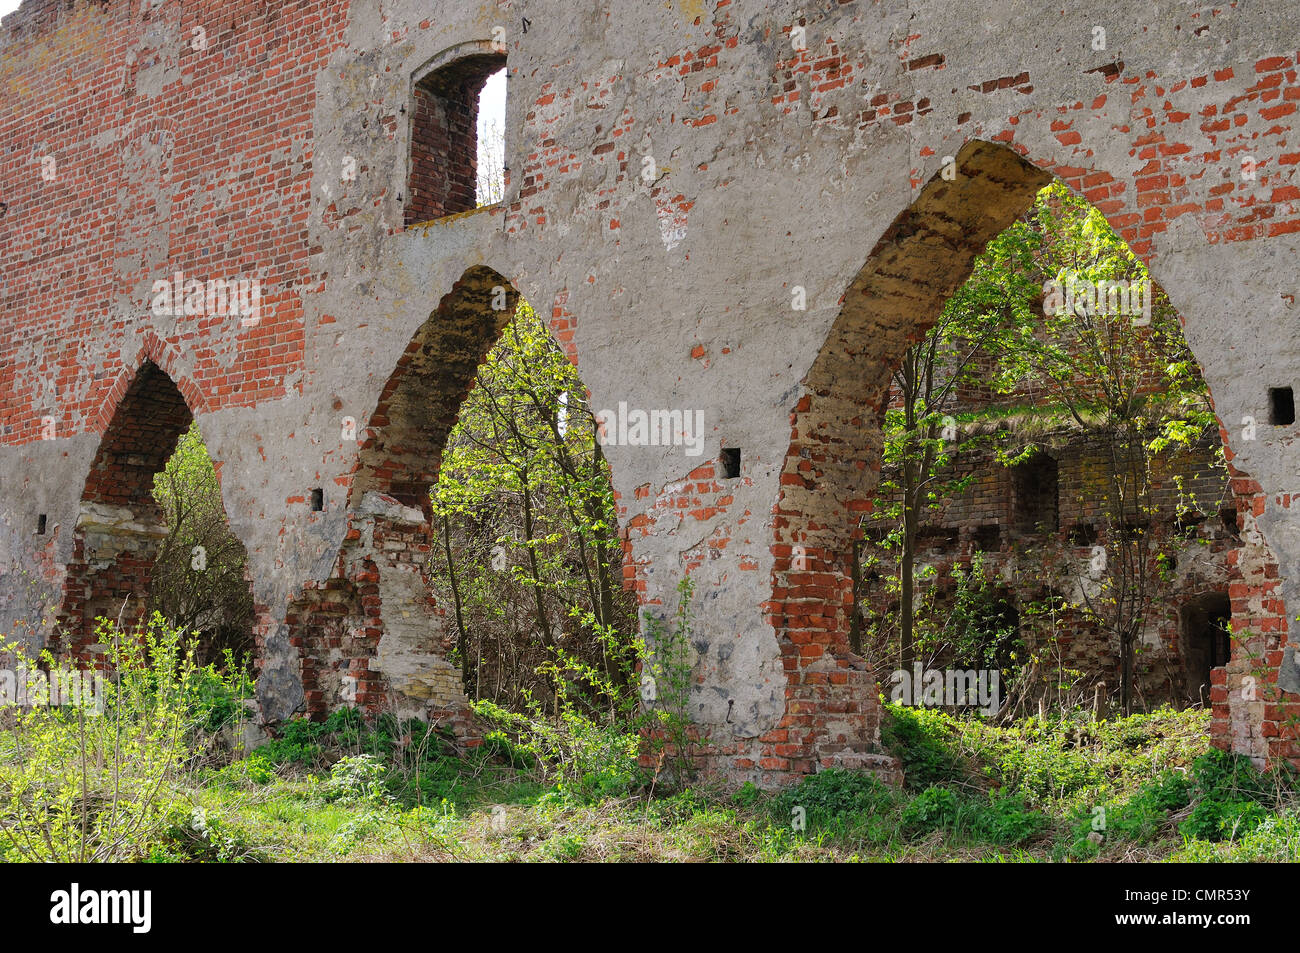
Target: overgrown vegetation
(1016, 336)
(159, 776)
(529, 561)
(198, 581)
(589, 749)
(93, 775)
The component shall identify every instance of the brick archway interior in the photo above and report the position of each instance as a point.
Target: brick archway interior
(119, 525)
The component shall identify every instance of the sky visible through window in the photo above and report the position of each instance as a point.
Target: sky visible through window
(491, 139)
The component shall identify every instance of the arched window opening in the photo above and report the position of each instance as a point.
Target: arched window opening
(458, 137)
(528, 555)
(1053, 390)
(491, 143)
(483, 559)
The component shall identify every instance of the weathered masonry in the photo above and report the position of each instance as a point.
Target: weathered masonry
(730, 206)
(1036, 527)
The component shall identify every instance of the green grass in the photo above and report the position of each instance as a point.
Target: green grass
(1063, 789)
(1028, 792)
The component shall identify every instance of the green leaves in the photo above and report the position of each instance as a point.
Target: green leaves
(198, 581)
(94, 781)
(1057, 333)
(531, 560)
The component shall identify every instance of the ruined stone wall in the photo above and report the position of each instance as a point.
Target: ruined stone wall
(733, 207)
(995, 494)
(1038, 529)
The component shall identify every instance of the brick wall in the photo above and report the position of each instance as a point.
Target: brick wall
(1037, 526)
(776, 167)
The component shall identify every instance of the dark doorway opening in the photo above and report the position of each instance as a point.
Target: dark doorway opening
(1206, 641)
(1036, 483)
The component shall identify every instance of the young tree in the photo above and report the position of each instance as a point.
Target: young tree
(1025, 327)
(1126, 376)
(530, 554)
(987, 315)
(199, 581)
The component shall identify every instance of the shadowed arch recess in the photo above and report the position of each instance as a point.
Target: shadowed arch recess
(421, 401)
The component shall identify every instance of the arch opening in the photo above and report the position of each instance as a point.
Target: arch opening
(830, 522)
(152, 533)
(482, 534)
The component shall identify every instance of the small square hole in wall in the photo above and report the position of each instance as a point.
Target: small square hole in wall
(987, 539)
(1281, 406)
(1083, 534)
(41, 522)
(317, 500)
(730, 463)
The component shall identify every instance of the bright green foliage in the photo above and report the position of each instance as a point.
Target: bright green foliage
(1106, 371)
(382, 792)
(923, 740)
(1229, 800)
(359, 778)
(1275, 840)
(1139, 820)
(199, 835)
(1073, 761)
(1130, 381)
(530, 557)
(531, 562)
(980, 628)
(418, 769)
(1001, 819)
(303, 742)
(198, 580)
(932, 809)
(1232, 797)
(590, 760)
(591, 753)
(666, 684)
(78, 783)
(834, 794)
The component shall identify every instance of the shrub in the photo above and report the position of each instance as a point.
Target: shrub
(835, 794)
(589, 760)
(205, 836)
(1232, 798)
(354, 780)
(259, 769)
(219, 694)
(1139, 820)
(304, 742)
(1214, 820)
(80, 784)
(585, 736)
(1275, 840)
(932, 809)
(1002, 819)
(923, 741)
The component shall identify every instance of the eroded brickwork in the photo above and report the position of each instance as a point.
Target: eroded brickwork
(120, 525)
(1039, 529)
(681, 173)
